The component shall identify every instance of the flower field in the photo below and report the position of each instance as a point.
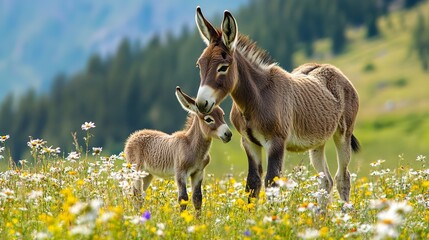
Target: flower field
(86, 195)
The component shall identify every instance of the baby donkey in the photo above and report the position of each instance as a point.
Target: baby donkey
(183, 154)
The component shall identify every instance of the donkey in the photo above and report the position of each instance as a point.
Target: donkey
(183, 154)
(275, 109)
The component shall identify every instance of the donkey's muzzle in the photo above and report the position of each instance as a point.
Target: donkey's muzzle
(205, 107)
(226, 136)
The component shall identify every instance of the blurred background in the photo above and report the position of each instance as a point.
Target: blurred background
(117, 63)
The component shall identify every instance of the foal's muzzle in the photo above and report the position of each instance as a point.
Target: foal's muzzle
(224, 133)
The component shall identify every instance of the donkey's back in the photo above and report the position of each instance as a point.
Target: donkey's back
(151, 150)
(338, 94)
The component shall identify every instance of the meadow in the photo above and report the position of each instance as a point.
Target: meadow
(86, 194)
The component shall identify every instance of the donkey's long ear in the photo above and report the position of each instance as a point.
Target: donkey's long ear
(186, 101)
(207, 31)
(229, 30)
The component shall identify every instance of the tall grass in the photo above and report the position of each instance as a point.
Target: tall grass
(90, 197)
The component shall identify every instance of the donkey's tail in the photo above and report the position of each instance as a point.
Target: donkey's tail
(355, 144)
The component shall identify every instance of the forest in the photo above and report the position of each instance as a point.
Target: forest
(134, 88)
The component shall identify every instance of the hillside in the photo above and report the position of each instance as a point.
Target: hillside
(41, 39)
(394, 98)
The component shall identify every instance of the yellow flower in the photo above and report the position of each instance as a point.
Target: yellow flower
(80, 182)
(257, 230)
(324, 231)
(186, 216)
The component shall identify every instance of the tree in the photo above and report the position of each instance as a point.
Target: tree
(421, 41)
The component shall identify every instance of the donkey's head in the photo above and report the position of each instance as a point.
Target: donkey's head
(217, 68)
(211, 124)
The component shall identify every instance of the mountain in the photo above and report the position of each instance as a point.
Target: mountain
(40, 39)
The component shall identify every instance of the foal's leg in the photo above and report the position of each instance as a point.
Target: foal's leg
(318, 160)
(275, 154)
(254, 157)
(197, 196)
(139, 187)
(342, 177)
(146, 181)
(181, 186)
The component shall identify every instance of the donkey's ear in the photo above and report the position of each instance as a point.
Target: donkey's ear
(207, 31)
(229, 30)
(186, 101)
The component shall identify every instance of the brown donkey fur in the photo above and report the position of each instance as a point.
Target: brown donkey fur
(275, 109)
(183, 154)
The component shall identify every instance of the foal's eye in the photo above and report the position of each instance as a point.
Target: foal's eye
(223, 68)
(208, 119)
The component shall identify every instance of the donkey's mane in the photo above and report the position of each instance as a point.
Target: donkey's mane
(189, 121)
(253, 53)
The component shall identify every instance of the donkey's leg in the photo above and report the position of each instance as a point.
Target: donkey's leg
(181, 186)
(254, 157)
(342, 177)
(197, 196)
(137, 192)
(139, 187)
(146, 181)
(318, 160)
(275, 154)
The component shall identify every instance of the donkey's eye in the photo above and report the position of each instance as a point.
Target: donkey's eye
(223, 68)
(208, 119)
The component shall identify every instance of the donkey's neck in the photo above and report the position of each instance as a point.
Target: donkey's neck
(195, 136)
(252, 79)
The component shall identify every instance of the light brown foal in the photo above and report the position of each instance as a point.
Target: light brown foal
(183, 154)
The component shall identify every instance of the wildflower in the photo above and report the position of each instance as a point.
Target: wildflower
(377, 163)
(187, 216)
(420, 158)
(145, 216)
(390, 219)
(378, 203)
(23, 161)
(247, 233)
(35, 194)
(36, 143)
(50, 150)
(96, 151)
(81, 229)
(309, 234)
(347, 206)
(160, 231)
(88, 125)
(272, 192)
(73, 156)
(268, 219)
(4, 138)
(1, 149)
(288, 183)
(7, 193)
(42, 235)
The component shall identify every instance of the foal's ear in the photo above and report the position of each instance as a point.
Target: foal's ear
(229, 30)
(207, 31)
(186, 101)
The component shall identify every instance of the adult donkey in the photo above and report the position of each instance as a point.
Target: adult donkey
(275, 109)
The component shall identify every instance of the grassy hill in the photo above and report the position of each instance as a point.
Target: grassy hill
(393, 122)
